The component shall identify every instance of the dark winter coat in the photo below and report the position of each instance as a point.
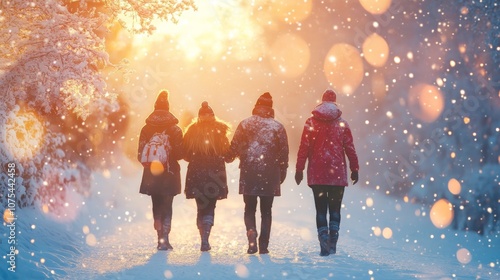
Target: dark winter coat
(326, 139)
(261, 144)
(206, 173)
(167, 183)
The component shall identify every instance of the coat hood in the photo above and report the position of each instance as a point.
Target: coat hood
(161, 118)
(326, 111)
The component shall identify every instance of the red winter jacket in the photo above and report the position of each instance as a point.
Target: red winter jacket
(326, 140)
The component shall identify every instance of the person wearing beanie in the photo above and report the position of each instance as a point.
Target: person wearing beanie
(261, 144)
(326, 140)
(162, 181)
(205, 147)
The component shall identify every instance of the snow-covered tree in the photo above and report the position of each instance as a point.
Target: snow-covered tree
(56, 110)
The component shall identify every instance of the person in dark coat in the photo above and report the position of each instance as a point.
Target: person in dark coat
(205, 147)
(326, 140)
(160, 182)
(261, 144)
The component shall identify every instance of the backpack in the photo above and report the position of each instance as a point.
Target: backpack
(158, 148)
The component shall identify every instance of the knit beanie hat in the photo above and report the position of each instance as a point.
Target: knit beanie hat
(162, 101)
(329, 96)
(265, 100)
(205, 110)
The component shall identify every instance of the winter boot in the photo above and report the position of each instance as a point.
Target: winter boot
(164, 243)
(323, 241)
(252, 241)
(265, 232)
(334, 237)
(205, 234)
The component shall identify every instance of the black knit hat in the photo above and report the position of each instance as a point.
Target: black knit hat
(329, 96)
(205, 110)
(265, 100)
(162, 101)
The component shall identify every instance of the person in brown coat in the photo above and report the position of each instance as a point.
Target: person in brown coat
(205, 146)
(162, 181)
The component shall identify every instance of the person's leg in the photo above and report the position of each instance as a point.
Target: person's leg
(266, 204)
(166, 209)
(321, 204)
(335, 196)
(157, 217)
(205, 220)
(250, 224)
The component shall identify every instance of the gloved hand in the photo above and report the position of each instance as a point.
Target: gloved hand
(299, 175)
(354, 177)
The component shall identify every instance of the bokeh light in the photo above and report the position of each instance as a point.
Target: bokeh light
(8, 216)
(291, 11)
(375, 7)
(375, 50)
(454, 186)
(426, 102)
(369, 202)
(387, 233)
(344, 68)
(241, 270)
(377, 231)
(24, 134)
(289, 55)
(441, 214)
(156, 168)
(464, 256)
(91, 240)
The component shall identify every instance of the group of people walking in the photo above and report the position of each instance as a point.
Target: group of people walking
(260, 142)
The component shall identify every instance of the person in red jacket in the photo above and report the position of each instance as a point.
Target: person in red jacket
(326, 140)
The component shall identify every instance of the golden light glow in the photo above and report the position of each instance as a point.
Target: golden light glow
(91, 240)
(291, 11)
(289, 56)
(441, 214)
(466, 120)
(344, 68)
(24, 134)
(156, 168)
(216, 30)
(375, 7)
(241, 270)
(369, 202)
(426, 102)
(377, 231)
(375, 50)
(454, 186)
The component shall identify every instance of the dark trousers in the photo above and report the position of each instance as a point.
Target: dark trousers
(328, 199)
(205, 210)
(266, 204)
(162, 210)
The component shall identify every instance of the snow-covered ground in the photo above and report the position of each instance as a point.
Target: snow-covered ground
(112, 237)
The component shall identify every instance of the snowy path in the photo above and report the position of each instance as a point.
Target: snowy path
(415, 249)
(113, 238)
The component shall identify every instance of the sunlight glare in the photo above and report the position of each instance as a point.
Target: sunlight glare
(24, 133)
(289, 56)
(291, 11)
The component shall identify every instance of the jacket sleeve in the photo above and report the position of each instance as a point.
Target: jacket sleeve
(283, 152)
(176, 142)
(142, 142)
(349, 149)
(236, 144)
(305, 144)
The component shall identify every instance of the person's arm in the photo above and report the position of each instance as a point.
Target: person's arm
(303, 153)
(236, 144)
(283, 153)
(176, 143)
(142, 143)
(350, 151)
